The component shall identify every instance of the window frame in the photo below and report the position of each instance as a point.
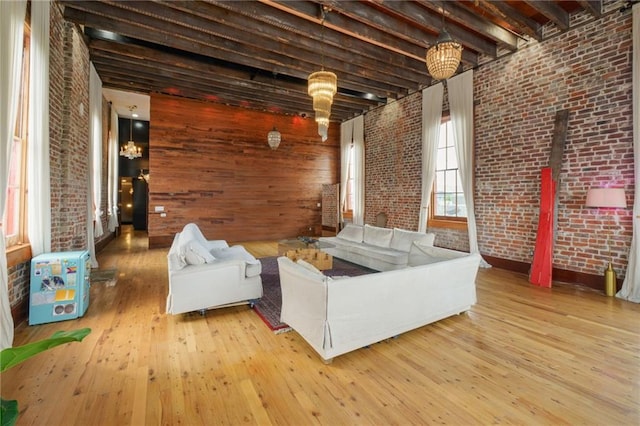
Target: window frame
(437, 221)
(17, 247)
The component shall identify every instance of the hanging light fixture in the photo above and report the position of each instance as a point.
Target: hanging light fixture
(322, 86)
(130, 150)
(273, 137)
(443, 58)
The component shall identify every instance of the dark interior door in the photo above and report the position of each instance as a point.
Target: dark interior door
(140, 204)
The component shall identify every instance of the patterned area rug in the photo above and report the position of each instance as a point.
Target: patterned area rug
(268, 307)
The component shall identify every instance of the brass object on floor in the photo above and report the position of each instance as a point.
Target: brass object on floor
(610, 281)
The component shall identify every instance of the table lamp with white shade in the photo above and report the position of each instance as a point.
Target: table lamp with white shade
(612, 198)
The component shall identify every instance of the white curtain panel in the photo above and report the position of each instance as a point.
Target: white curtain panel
(461, 109)
(112, 183)
(12, 15)
(358, 165)
(431, 118)
(91, 246)
(631, 286)
(38, 157)
(346, 138)
(95, 135)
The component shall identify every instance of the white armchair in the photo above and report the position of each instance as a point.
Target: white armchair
(206, 274)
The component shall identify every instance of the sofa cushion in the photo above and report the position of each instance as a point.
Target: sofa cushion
(423, 255)
(380, 237)
(382, 254)
(340, 243)
(402, 239)
(352, 232)
(195, 253)
(238, 252)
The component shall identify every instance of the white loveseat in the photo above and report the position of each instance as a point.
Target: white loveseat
(336, 316)
(209, 274)
(382, 249)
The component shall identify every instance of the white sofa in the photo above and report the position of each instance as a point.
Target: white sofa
(381, 249)
(336, 316)
(209, 274)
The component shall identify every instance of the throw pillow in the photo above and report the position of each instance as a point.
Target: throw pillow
(196, 254)
(352, 232)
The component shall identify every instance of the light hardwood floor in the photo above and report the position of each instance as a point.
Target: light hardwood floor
(522, 355)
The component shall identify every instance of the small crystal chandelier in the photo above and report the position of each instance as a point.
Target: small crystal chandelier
(130, 150)
(322, 86)
(273, 137)
(443, 58)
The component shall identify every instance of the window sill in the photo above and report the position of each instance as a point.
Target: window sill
(17, 254)
(460, 225)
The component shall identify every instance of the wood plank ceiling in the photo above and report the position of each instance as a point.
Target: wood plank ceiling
(258, 54)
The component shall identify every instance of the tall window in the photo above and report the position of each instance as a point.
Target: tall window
(350, 198)
(14, 219)
(448, 207)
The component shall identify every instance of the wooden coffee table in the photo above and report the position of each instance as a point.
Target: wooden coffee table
(317, 258)
(295, 243)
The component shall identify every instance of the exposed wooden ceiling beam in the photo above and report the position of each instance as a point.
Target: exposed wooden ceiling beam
(385, 36)
(259, 53)
(126, 23)
(302, 37)
(552, 11)
(460, 15)
(108, 54)
(593, 6)
(511, 16)
(212, 80)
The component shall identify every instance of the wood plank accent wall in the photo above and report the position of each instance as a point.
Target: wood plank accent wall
(211, 164)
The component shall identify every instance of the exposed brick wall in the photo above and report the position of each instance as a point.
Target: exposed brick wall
(393, 159)
(68, 201)
(18, 283)
(586, 70)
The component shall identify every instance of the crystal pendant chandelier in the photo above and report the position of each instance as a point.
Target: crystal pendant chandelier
(443, 58)
(273, 137)
(130, 150)
(322, 86)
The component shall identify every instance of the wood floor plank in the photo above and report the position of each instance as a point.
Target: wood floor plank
(522, 355)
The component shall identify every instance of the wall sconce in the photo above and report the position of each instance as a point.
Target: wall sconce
(610, 198)
(143, 176)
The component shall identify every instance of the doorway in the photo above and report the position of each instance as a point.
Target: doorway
(133, 174)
